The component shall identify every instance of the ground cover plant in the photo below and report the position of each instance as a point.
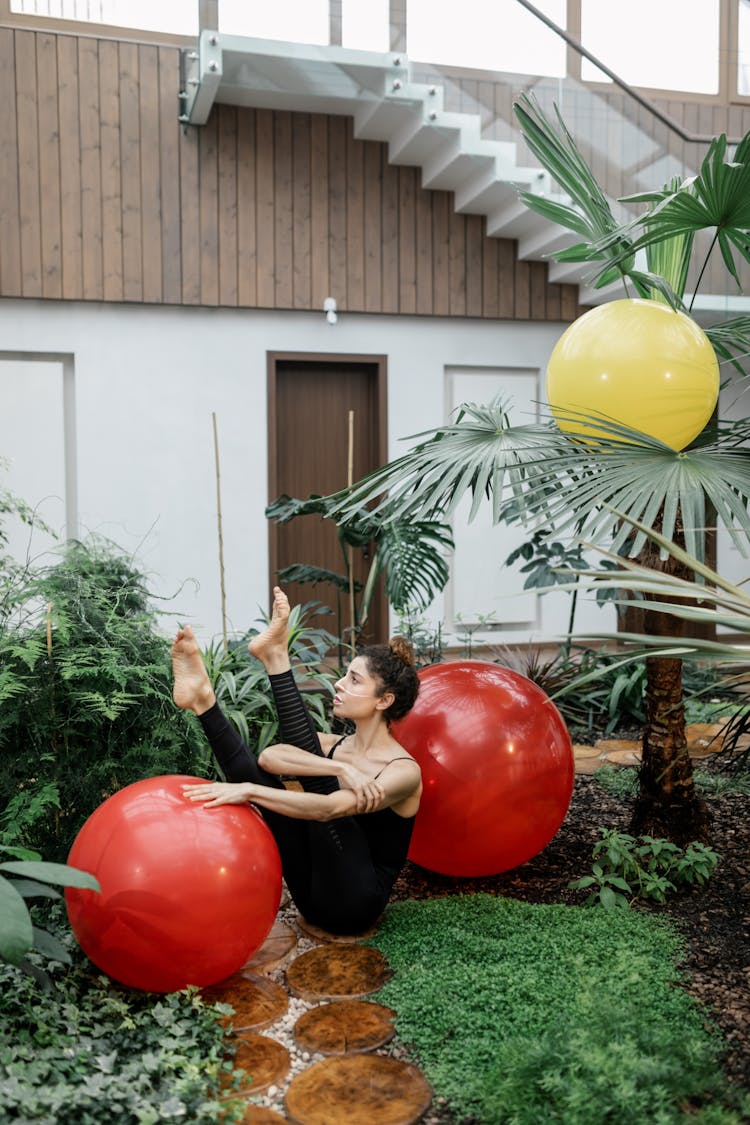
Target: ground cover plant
(84, 1051)
(525, 1014)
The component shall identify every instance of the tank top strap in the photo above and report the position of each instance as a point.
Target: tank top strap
(335, 746)
(403, 758)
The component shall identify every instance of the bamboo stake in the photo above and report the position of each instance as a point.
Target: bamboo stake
(350, 482)
(221, 536)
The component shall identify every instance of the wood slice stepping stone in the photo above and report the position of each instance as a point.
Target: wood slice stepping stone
(337, 972)
(586, 759)
(322, 935)
(257, 1001)
(704, 739)
(581, 751)
(370, 1089)
(275, 949)
(344, 1027)
(265, 1061)
(619, 751)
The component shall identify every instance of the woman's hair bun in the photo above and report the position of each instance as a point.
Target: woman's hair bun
(403, 650)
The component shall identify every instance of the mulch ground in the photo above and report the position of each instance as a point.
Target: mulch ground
(715, 920)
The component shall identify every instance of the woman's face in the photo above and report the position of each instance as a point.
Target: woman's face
(359, 693)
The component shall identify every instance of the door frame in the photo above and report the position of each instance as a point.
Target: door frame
(380, 363)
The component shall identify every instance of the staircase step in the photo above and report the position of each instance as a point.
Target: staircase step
(376, 90)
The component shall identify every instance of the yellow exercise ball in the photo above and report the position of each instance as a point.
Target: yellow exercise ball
(638, 363)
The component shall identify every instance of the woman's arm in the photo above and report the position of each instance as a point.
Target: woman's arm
(287, 760)
(300, 806)
(291, 761)
(401, 780)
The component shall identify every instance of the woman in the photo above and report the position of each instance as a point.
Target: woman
(345, 838)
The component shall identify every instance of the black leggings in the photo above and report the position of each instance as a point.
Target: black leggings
(327, 866)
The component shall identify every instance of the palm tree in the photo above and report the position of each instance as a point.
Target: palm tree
(596, 489)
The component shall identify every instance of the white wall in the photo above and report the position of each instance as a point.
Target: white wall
(140, 469)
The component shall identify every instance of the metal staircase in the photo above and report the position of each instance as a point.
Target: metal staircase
(377, 91)
(388, 105)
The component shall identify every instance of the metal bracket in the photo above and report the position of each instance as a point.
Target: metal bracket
(200, 77)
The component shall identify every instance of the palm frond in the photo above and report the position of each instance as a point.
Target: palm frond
(731, 340)
(304, 572)
(481, 454)
(669, 260)
(285, 508)
(584, 485)
(717, 199)
(413, 556)
(589, 213)
(713, 600)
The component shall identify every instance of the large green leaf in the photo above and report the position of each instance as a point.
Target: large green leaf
(29, 888)
(16, 933)
(59, 874)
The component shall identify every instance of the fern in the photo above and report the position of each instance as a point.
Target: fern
(86, 696)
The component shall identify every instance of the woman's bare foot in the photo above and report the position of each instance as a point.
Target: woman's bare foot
(270, 646)
(192, 688)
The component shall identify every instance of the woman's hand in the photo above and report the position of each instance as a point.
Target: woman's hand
(215, 793)
(369, 796)
(367, 792)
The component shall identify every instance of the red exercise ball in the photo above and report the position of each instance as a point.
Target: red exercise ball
(188, 893)
(497, 768)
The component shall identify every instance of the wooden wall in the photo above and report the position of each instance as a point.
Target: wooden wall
(103, 196)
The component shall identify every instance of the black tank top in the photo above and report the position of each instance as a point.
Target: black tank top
(388, 834)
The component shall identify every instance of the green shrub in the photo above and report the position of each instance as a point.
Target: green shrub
(628, 868)
(614, 696)
(85, 697)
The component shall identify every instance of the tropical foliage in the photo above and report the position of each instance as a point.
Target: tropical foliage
(409, 554)
(540, 475)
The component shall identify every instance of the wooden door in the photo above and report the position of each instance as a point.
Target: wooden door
(310, 400)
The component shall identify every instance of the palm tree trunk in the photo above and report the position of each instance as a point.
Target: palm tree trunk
(667, 805)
